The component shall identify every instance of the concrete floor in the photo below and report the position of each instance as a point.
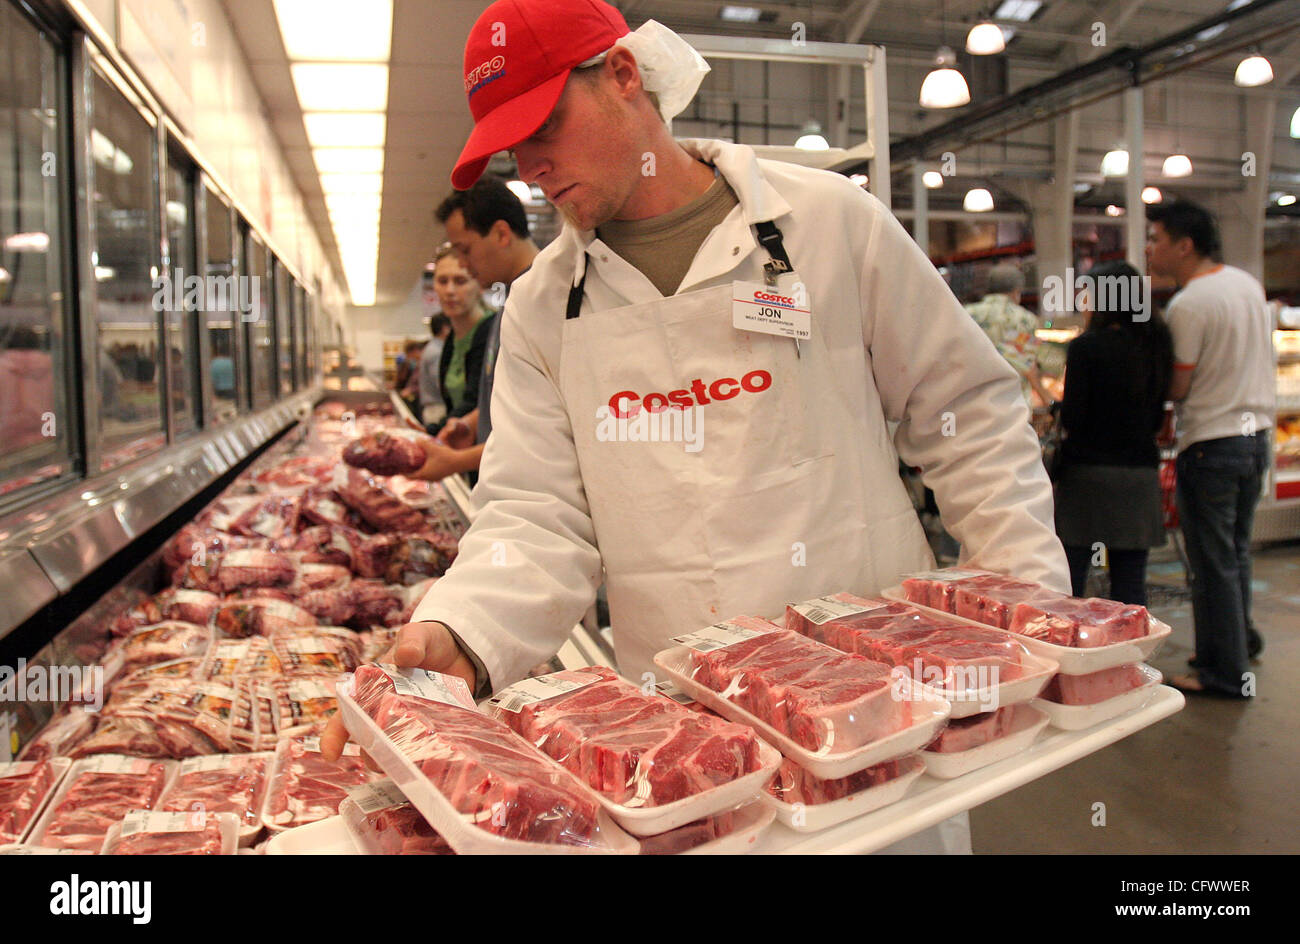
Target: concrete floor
(1218, 777)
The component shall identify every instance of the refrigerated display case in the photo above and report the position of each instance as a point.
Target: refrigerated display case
(1278, 515)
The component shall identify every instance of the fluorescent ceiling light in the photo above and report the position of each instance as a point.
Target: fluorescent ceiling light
(1295, 124)
(1022, 10)
(932, 179)
(740, 14)
(352, 201)
(1152, 195)
(985, 39)
(336, 29)
(1206, 35)
(340, 86)
(4, 275)
(1286, 200)
(977, 200)
(811, 141)
(344, 129)
(28, 242)
(1253, 71)
(347, 160)
(1177, 165)
(520, 190)
(351, 183)
(1115, 163)
(1081, 187)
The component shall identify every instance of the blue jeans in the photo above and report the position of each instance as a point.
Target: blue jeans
(1219, 483)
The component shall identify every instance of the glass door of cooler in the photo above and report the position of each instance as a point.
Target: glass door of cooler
(259, 326)
(1286, 428)
(226, 369)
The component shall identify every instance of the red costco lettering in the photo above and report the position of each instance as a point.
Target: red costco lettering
(483, 70)
(779, 299)
(628, 403)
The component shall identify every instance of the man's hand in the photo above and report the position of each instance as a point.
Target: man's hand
(440, 462)
(428, 645)
(456, 434)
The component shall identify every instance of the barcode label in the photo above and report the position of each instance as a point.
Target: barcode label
(312, 744)
(669, 689)
(18, 768)
(373, 797)
(530, 691)
(196, 765)
(431, 686)
(115, 764)
(825, 609)
(308, 647)
(150, 821)
(947, 576)
(724, 634)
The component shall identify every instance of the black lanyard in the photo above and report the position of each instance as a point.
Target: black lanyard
(768, 234)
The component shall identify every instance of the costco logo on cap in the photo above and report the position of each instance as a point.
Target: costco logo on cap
(544, 40)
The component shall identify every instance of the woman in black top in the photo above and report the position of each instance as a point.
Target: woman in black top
(471, 317)
(1117, 375)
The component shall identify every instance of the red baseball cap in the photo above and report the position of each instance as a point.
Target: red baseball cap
(517, 58)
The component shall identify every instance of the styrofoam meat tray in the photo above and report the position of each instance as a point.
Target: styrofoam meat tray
(949, 766)
(754, 820)
(460, 833)
(1072, 660)
(247, 833)
(811, 817)
(1078, 717)
(328, 836)
(929, 714)
(37, 832)
(227, 823)
(60, 765)
(967, 701)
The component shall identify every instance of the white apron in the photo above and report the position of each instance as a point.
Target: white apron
(789, 496)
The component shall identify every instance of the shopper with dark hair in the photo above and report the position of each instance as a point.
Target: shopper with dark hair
(432, 407)
(1223, 382)
(1108, 487)
(460, 366)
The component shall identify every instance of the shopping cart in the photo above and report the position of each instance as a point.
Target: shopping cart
(1169, 504)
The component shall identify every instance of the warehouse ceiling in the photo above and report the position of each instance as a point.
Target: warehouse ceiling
(428, 120)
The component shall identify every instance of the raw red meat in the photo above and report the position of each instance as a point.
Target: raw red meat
(311, 577)
(825, 700)
(638, 750)
(405, 558)
(205, 840)
(332, 607)
(231, 783)
(323, 506)
(328, 544)
(685, 838)
(260, 617)
(375, 603)
(486, 771)
(964, 734)
(304, 787)
(164, 642)
(97, 798)
(990, 600)
(190, 606)
(164, 718)
(64, 731)
(272, 517)
(23, 786)
(388, 452)
(315, 651)
(379, 507)
(233, 570)
(1084, 623)
(1095, 686)
(794, 784)
(398, 829)
(194, 544)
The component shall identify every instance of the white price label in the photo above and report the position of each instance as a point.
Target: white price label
(727, 633)
(312, 744)
(431, 686)
(151, 821)
(825, 609)
(530, 691)
(373, 797)
(115, 764)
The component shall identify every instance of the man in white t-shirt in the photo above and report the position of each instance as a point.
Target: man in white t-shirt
(1224, 386)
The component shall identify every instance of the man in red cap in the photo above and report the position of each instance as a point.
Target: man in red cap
(698, 376)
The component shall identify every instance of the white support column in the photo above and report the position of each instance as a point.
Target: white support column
(1135, 217)
(920, 208)
(1240, 212)
(842, 82)
(878, 123)
(1053, 207)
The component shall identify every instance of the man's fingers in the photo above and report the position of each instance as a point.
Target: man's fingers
(431, 646)
(334, 739)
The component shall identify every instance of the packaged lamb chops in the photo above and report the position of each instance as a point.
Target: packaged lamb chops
(1130, 687)
(1081, 635)
(480, 785)
(654, 764)
(222, 783)
(834, 712)
(807, 803)
(977, 669)
(146, 832)
(980, 740)
(383, 821)
(24, 788)
(303, 787)
(94, 795)
(318, 650)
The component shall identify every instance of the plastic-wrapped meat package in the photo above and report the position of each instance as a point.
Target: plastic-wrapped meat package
(316, 651)
(388, 452)
(255, 713)
(377, 506)
(964, 734)
(638, 750)
(156, 833)
(377, 642)
(143, 613)
(404, 558)
(164, 642)
(99, 792)
(315, 577)
(304, 700)
(187, 667)
(223, 783)
(271, 517)
(1094, 687)
(260, 617)
(63, 733)
(190, 606)
(23, 786)
(931, 649)
(794, 784)
(164, 718)
(990, 600)
(384, 822)
(685, 838)
(322, 506)
(304, 787)
(194, 543)
(1084, 623)
(494, 778)
(375, 603)
(823, 699)
(414, 594)
(328, 544)
(233, 570)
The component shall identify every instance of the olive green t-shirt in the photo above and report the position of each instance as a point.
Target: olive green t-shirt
(455, 379)
(663, 247)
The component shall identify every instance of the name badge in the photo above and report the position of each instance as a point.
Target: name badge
(767, 310)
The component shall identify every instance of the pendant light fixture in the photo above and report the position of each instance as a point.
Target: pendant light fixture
(932, 179)
(977, 200)
(810, 138)
(1253, 71)
(985, 39)
(944, 87)
(1115, 163)
(1152, 195)
(1295, 124)
(1179, 164)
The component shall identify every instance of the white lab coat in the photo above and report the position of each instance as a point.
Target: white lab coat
(897, 347)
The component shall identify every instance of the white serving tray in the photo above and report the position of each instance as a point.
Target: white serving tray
(929, 714)
(324, 837)
(1072, 660)
(460, 833)
(949, 766)
(1078, 717)
(811, 817)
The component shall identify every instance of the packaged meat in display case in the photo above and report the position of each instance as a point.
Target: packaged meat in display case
(1083, 623)
(95, 794)
(319, 650)
(1129, 687)
(142, 832)
(971, 743)
(24, 788)
(304, 787)
(481, 786)
(1095, 686)
(222, 783)
(383, 821)
(975, 668)
(304, 701)
(163, 642)
(236, 569)
(834, 712)
(655, 764)
(389, 452)
(376, 505)
(806, 803)
(729, 833)
(64, 732)
(260, 617)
